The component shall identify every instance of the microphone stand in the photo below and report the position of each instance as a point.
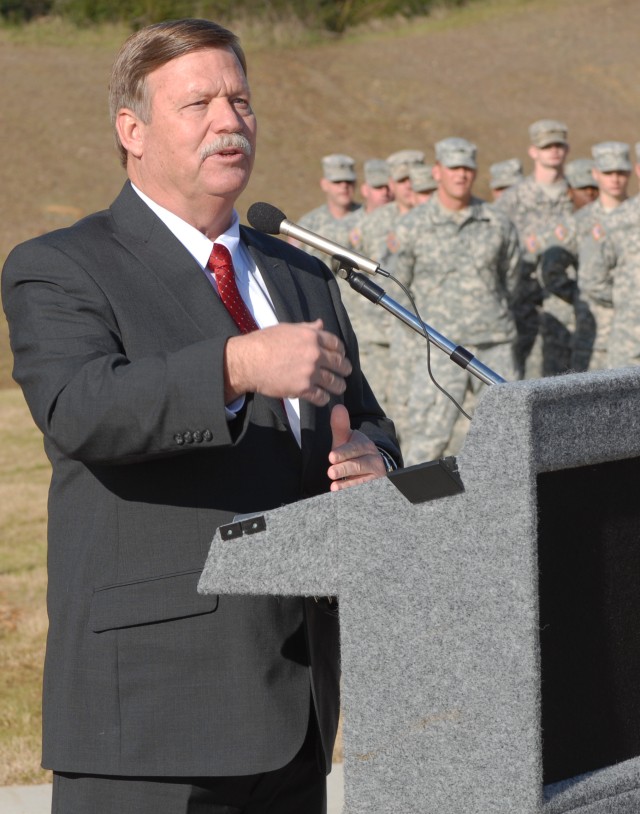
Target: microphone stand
(377, 295)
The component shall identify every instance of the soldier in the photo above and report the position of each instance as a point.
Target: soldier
(373, 237)
(370, 326)
(375, 190)
(538, 206)
(460, 257)
(504, 174)
(330, 220)
(611, 172)
(375, 193)
(583, 188)
(423, 183)
(610, 259)
(379, 225)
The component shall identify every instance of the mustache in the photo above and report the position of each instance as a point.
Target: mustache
(228, 141)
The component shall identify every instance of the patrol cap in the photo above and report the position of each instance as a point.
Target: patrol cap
(612, 156)
(401, 162)
(338, 167)
(505, 174)
(548, 131)
(376, 172)
(456, 152)
(422, 179)
(578, 173)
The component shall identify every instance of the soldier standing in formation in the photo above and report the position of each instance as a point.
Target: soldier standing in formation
(460, 257)
(376, 229)
(611, 263)
(612, 171)
(539, 206)
(371, 329)
(583, 188)
(331, 219)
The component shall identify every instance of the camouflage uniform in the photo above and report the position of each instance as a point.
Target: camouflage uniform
(375, 238)
(322, 222)
(614, 266)
(371, 323)
(593, 225)
(369, 235)
(542, 218)
(462, 268)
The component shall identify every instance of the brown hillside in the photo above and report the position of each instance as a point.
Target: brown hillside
(484, 74)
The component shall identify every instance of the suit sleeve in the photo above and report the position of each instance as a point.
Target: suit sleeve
(92, 401)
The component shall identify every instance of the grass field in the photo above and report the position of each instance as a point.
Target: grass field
(24, 477)
(483, 73)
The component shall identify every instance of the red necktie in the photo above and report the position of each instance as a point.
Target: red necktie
(221, 265)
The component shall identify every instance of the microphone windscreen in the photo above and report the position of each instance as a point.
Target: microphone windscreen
(265, 218)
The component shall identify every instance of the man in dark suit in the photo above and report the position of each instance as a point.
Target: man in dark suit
(163, 420)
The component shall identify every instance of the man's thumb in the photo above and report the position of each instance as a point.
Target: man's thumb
(340, 426)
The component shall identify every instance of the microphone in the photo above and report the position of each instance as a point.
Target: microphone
(269, 219)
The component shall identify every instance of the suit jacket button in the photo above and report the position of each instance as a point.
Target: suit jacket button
(178, 439)
(207, 436)
(188, 437)
(197, 437)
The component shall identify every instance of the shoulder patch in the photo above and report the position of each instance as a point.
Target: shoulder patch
(597, 231)
(355, 237)
(392, 242)
(532, 243)
(561, 232)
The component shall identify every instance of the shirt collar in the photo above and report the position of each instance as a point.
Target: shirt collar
(192, 239)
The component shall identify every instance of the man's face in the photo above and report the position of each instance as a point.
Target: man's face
(200, 139)
(454, 183)
(582, 197)
(421, 197)
(612, 183)
(339, 193)
(551, 157)
(375, 196)
(402, 192)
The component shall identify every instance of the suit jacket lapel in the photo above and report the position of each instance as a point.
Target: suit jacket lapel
(170, 265)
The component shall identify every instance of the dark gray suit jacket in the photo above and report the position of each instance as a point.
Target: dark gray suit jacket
(118, 341)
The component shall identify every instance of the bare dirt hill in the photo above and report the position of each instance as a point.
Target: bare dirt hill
(484, 74)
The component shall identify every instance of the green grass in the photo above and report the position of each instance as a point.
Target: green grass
(23, 621)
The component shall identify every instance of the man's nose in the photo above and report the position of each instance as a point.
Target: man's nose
(225, 118)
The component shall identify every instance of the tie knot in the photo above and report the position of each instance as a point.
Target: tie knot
(220, 263)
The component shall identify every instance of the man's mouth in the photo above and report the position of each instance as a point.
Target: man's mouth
(228, 146)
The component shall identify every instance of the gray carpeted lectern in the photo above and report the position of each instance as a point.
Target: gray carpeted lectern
(490, 639)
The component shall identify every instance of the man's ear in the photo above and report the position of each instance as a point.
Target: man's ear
(532, 152)
(130, 131)
(437, 174)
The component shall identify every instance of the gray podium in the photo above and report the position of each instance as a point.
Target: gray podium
(490, 639)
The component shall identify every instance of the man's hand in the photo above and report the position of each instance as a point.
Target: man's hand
(299, 360)
(354, 458)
